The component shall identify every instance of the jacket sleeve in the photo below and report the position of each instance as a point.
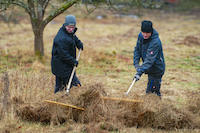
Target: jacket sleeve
(79, 44)
(151, 55)
(137, 55)
(63, 52)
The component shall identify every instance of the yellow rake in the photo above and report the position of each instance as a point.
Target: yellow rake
(63, 104)
(121, 99)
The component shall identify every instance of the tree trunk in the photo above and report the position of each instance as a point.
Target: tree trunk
(38, 41)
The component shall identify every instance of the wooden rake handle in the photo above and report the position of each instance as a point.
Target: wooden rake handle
(73, 71)
(64, 104)
(130, 86)
(121, 99)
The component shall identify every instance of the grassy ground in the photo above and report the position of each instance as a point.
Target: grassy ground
(107, 59)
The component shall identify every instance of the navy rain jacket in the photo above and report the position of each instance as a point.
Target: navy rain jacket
(151, 52)
(64, 52)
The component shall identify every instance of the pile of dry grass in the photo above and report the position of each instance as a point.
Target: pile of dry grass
(102, 127)
(153, 112)
(90, 100)
(47, 113)
(35, 113)
(160, 114)
(95, 108)
(194, 104)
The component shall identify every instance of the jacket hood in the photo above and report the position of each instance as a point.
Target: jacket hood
(155, 34)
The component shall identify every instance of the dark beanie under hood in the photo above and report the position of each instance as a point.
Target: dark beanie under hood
(147, 26)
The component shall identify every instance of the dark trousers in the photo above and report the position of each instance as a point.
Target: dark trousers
(61, 82)
(154, 83)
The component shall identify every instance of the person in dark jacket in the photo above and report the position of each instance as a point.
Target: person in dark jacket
(149, 49)
(64, 54)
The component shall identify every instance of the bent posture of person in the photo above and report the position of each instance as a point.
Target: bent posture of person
(64, 54)
(149, 49)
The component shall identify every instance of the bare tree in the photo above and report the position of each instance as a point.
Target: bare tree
(36, 11)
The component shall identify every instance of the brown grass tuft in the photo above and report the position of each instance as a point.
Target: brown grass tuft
(161, 115)
(95, 108)
(154, 113)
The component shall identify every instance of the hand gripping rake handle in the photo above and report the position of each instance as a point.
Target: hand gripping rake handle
(73, 71)
(130, 86)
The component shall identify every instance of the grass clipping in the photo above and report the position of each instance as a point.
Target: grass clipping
(153, 112)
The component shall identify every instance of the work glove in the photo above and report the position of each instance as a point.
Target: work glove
(76, 63)
(137, 67)
(80, 46)
(137, 77)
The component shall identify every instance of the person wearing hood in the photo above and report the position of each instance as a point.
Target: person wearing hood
(64, 54)
(149, 49)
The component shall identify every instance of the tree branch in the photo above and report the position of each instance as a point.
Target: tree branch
(59, 11)
(21, 4)
(31, 8)
(45, 4)
(42, 5)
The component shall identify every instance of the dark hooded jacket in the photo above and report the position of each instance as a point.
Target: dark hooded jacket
(64, 52)
(151, 52)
